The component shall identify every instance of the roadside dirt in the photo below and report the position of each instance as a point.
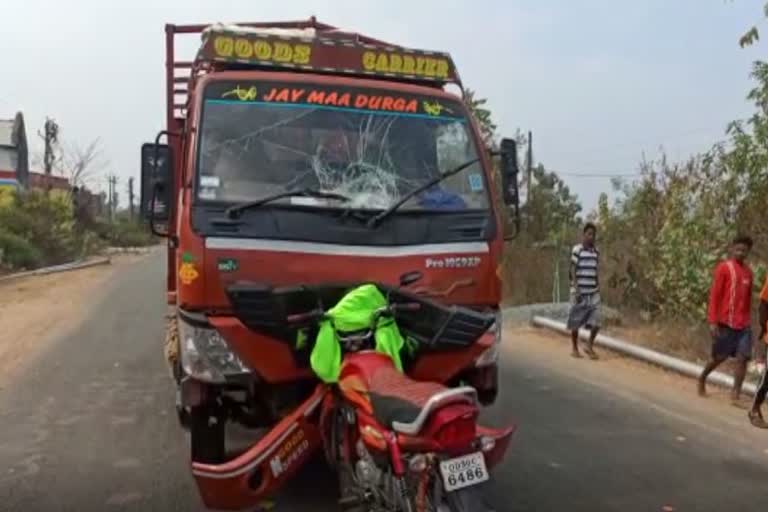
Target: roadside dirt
(36, 310)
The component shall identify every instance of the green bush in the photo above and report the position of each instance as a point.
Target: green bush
(39, 229)
(129, 233)
(44, 222)
(17, 253)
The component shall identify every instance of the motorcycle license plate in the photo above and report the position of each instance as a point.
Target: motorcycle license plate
(463, 471)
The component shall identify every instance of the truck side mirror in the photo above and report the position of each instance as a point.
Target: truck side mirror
(156, 184)
(509, 181)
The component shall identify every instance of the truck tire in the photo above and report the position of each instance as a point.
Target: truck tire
(207, 429)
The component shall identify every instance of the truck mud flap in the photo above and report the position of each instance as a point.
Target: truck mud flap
(258, 473)
(502, 437)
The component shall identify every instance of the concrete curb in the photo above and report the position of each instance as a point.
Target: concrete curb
(75, 265)
(131, 250)
(644, 354)
(522, 314)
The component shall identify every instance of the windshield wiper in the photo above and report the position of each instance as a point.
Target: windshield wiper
(376, 219)
(234, 211)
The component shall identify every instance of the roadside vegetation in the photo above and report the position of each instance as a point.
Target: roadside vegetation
(659, 238)
(39, 228)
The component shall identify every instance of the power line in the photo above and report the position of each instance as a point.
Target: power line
(632, 143)
(597, 175)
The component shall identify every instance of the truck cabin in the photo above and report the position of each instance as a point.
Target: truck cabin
(266, 108)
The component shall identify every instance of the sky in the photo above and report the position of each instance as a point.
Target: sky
(600, 83)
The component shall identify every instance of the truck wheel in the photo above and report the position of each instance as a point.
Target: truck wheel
(181, 412)
(208, 434)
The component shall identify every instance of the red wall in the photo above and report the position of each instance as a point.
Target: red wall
(37, 180)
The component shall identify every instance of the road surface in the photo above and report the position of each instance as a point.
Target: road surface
(90, 426)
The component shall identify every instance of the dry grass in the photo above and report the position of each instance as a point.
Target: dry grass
(690, 342)
(528, 275)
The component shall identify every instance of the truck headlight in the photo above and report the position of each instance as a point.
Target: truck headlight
(491, 355)
(206, 356)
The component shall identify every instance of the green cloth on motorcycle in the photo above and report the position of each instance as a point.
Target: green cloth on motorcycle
(354, 312)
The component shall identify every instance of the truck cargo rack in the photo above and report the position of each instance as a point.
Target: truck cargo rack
(281, 46)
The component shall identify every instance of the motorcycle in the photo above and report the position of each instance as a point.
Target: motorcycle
(399, 444)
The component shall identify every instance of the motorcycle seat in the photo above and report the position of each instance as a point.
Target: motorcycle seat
(396, 400)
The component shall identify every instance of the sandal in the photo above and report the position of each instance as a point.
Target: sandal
(740, 403)
(592, 354)
(756, 419)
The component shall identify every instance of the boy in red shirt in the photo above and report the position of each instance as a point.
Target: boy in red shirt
(730, 302)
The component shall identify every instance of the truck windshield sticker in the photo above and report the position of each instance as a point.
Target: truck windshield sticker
(369, 144)
(332, 98)
(475, 182)
(243, 94)
(435, 108)
(210, 181)
(335, 98)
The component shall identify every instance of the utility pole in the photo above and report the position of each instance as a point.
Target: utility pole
(109, 198)
(529, 165)
(112, 195)
(130, 196)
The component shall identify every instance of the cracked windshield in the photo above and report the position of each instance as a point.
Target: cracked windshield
(301, 138)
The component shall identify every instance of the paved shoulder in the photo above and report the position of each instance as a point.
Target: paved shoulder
(87, 426)
(615, 435)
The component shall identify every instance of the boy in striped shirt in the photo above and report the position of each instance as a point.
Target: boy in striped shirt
(585, 294)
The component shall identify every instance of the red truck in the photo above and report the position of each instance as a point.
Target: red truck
(300, 158)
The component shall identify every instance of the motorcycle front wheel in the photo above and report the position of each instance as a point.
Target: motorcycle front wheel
(469, 499)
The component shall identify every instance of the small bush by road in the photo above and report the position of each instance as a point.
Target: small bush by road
(39, 228)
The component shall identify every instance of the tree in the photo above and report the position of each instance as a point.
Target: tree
(552, 211)
(752, 35)
(81, 164)
(50, 136)
(483, 117)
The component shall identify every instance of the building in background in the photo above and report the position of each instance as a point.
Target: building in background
(14, 153)
(14, 160)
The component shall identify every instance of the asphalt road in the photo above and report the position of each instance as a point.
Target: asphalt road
(91, 427)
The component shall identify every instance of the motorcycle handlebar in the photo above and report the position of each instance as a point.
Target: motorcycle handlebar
(315, 314)
(404, 306)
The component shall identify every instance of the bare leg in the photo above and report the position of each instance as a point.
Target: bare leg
(755, 415)
(575, 343)
(714, 363)
(762, 391)
(590, 344)
(738, 377)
